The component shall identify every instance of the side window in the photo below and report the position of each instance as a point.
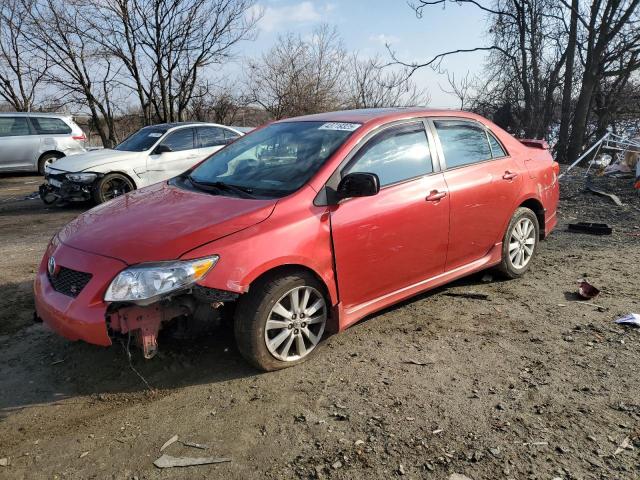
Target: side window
(496, 149)
(180, 140)
(50, 126)
(210, 137)
(463, 143)
(14, 127)
(397, 154)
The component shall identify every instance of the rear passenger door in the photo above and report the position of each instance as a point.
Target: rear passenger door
(182, 157)
(212, 139)
(18, 148)
(484, 183)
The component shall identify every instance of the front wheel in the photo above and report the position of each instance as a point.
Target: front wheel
(280, 321)
(520, 243)
(111, 186)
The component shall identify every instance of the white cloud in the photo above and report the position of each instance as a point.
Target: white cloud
(383, 39)
(286, 16)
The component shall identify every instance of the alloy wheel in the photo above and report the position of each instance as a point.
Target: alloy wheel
(522, 243)
(115, 187)
(296, 323)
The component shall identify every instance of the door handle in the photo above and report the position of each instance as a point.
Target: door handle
(436, 196)
(509, 175)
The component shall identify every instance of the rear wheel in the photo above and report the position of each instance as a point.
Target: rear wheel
(280, 321)
(520, 243)
(47, 159)
(111, 186)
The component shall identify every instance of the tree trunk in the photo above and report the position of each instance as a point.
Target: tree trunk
(565, 111)
(581, 116)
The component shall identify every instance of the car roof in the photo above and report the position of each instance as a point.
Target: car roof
(170, 125)
(380, 115)
(35, 114)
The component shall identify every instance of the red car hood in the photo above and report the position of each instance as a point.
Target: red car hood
(161, 222)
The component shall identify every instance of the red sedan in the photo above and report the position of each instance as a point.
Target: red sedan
(301, 227)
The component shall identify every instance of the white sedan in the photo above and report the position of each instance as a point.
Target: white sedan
(152, 154)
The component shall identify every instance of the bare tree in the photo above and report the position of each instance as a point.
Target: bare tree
(21, 72)
(216, 103)
(298, 76)
(372, 85)
(166, 45)
(461, 89)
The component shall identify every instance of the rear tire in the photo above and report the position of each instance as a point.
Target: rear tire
(111, 186)
(297, 311)
(47, 159)
(520, 243)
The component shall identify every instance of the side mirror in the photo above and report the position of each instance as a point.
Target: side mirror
(358, 185)
(160, 149)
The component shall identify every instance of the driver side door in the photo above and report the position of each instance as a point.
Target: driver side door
(182, 156)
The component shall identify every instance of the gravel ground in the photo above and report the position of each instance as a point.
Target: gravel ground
(529, 384)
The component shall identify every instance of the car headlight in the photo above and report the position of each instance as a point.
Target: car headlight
(148, 282)
(81, 177)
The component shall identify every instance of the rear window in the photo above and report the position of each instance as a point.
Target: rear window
(13, 126)
(50, 126)
(463, 143)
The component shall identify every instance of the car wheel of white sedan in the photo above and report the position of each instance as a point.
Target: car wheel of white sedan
(111, 186)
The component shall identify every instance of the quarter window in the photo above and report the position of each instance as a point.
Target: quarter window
(180, 140)
(14, 127)
(463, 143)
(496, 148)
(397, 154)
(50, 126)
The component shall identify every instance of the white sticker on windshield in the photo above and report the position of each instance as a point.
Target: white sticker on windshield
(347, 127)
(155, 135)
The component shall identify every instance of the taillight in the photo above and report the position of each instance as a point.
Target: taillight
(79, 137)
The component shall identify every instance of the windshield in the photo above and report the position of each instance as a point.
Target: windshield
(142, 140)
(274, 161)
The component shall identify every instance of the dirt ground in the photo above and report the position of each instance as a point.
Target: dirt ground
(529, 384)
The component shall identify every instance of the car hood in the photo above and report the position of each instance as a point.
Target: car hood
(161, 222)
(92, 159)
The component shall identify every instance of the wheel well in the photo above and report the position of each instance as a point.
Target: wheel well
(125, 175)
(56, 152)
(289, 269)
(536, 207)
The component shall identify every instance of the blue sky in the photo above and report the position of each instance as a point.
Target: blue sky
(365, 26)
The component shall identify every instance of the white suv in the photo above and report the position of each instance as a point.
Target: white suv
(29, 141)
(152, 154)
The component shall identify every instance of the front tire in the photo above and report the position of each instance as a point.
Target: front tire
(520, 243)
(280, 321)
(111, 186)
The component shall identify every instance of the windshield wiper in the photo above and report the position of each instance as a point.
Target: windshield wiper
(245, 192)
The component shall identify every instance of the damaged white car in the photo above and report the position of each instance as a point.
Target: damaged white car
(152, 154)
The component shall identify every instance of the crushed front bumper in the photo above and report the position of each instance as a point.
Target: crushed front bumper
(78, 313)
(58, 187)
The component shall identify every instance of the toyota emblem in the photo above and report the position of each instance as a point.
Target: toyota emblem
(51, 266)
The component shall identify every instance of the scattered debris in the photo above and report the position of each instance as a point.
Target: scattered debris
(633, 319)
(457, 476)
(471, 295)
(537, 444)
(416, 362)
(612, 196)
(435, 432)
(57, 362)
(336, 465)
(4, 462)
(587, 291)
(625, 445)
(171, 441)
(357, 443)
(167, 461)
(83, 454)
(195, 445)
(592, 228)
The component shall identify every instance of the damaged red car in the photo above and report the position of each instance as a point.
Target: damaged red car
(300, 228)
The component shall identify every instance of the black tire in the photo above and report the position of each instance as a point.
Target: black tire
(253, 310)
(111, 186)
(47, 158)
(507, 266)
